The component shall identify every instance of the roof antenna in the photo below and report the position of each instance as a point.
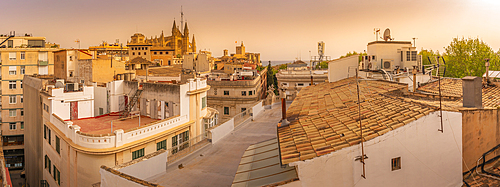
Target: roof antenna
(182, 20)
(363, 156)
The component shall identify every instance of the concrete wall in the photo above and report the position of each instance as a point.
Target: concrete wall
(257, 109)
(219, 132)
(428, 157)
(155, 165)
(109, 179)
(420, 79)
(33, 130)
(339, 68)
(481, 132)
(100, 100)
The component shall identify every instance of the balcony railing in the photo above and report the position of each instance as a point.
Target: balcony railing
(43, 62)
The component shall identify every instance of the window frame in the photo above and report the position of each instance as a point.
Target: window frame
(161, 145)
(12, 85)
(12, 99)
(11, 125)
(138, 154)
(12, 112)
(226, 108)
(396, 163)
(226, 92)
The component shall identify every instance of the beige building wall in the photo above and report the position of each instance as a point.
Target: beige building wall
(26, 62)
(480, 133)
(103, 70)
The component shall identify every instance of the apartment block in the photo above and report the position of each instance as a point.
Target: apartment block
(22, 55)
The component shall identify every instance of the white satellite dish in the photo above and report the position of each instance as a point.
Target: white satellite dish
(387, 34)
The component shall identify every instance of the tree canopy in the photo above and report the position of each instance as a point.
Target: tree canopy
(466, 57)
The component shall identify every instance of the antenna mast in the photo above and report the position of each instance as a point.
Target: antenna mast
(361, 128)
(182, 20)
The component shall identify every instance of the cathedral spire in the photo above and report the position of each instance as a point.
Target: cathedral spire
(174, 27)
(186, 30)
(193, 45)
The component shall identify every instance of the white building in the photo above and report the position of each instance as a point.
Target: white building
(75, 142)
(390, 55)
(400, 137)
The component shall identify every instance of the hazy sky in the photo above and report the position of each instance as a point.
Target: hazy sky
(278, 29)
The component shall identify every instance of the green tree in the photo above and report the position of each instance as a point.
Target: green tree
(348, 54)
(271, 76)
(428, 54)
(466, 57)
(283, 66)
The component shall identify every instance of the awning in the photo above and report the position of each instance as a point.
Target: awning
(260, 165)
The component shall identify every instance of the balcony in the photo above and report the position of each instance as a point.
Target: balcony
(43, 62)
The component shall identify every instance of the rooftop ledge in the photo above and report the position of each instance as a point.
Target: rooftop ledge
(88, 142)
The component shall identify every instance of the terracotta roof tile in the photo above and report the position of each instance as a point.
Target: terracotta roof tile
(324, 118)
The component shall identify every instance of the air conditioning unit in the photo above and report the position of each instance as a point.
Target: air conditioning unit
(387, 64)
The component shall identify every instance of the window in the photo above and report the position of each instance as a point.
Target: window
(250, 93)
(215, 91)
(22, 125)
(12, 99)
(12, 126)
(70, 58)
(414, 56)
(71, 74)
(12, 55)
(58, 145)
(138, 53)
(22, 99)
(146, 48)
(12, 70)
(161, 53)
(138, 154)
(57, 175)
(300, 84)
(23, 55)
(285, 84)
(12, 85)
(226, 92)
(166, 53)
(23, 70)
(22, 112)
(161, 145)
(49, 136)
(154, 53)
(44, 131)
(396, 163)
(21, 83)
(226, 110)
(133, 53)
(203, 102)
(12, 113)
(243, 109)
(243, 93)
(101, 111)
(48, 163)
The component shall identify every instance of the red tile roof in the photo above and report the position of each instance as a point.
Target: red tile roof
(324, 117)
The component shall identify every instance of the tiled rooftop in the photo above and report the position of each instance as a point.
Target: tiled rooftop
(324, 117)
(453, 87)
(102, 124)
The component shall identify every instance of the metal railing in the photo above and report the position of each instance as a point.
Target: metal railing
(186, 147)
(241, 117)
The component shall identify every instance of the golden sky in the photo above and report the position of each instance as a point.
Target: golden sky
(278, 29)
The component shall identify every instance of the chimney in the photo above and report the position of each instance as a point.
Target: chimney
(472, 92)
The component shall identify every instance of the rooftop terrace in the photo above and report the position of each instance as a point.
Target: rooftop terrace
(102, 124)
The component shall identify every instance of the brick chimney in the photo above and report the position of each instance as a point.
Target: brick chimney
(472, 92)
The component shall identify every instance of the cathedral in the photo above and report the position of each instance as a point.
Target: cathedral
(164, 50)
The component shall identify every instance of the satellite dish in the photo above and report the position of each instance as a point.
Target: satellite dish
(387, 34)
(59, 84)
